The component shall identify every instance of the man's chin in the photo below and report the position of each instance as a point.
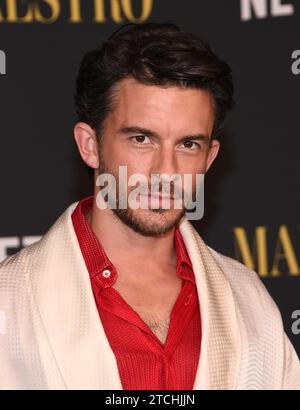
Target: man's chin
(150, 222)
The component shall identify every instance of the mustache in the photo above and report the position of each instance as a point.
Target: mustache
(163, 189)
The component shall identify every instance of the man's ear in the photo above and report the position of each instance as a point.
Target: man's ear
(87, 144)
(212, 154)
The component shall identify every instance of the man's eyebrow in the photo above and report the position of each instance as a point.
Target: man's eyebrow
(142, 130)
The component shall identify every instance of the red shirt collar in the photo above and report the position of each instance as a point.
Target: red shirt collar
(95, 257)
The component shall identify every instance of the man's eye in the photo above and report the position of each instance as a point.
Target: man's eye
(191, 145)
(140, 139)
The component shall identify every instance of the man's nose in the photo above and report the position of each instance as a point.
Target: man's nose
(164, 162)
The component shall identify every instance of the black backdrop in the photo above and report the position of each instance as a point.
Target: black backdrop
(252, 193)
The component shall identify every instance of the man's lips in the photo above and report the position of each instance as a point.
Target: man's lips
(160, 196)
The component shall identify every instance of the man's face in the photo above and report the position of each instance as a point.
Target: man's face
(152, 131)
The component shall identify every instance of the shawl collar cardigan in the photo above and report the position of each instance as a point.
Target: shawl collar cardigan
(52, 336)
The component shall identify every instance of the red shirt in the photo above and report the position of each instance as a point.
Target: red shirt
(144, 362)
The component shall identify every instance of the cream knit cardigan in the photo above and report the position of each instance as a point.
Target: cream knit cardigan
(52, 336)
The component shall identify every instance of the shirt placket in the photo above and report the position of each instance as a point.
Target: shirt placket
(181, 316)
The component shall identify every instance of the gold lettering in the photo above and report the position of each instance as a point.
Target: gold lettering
(75, 11)
(116, 11)
(259, 252)
(55, 8)
(99, 11)
(119, 9)
(262, 254)
(126, 6)
(288, 254)
(147, 6)
(12, 13)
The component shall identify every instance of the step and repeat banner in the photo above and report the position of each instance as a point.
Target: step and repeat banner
(252, 196)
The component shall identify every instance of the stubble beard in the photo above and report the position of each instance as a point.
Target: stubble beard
(146, 222)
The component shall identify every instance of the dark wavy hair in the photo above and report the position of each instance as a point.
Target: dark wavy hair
(155, 54)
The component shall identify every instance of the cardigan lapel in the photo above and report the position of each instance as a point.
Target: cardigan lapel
(219, 355)
(64, 297)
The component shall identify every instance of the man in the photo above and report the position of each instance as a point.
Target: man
(132, 297)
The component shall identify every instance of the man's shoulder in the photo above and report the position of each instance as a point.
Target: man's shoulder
(260, 321)
(233, 267)
(246, 284)
(15, 267)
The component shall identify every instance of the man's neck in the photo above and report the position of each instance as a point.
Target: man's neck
(121, 242)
